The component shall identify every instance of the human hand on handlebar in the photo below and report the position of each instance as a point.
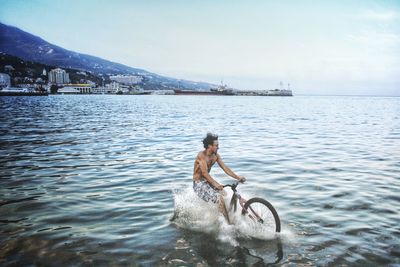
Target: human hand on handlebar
(219, 187)
(242, 179)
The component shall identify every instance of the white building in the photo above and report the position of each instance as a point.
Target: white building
(111, 88)
(127, 79)
(9, 68)
(5, 80)
(58, 76)
(101, 90)
(75, 89)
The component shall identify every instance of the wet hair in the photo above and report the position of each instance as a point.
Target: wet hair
(209, 140)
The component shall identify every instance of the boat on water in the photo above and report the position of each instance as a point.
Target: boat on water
(198, 92)
(220, 90)
(16, 91)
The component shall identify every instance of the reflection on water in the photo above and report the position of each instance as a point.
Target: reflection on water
(94, 180)
(193, 248)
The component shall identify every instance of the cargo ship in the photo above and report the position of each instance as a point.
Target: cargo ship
(198, 92)
(220, 90)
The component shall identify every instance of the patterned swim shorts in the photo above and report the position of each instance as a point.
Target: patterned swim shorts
(205, 191)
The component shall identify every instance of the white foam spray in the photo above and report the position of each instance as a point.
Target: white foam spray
(193, 213)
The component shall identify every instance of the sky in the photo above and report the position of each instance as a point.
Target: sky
(338, 47)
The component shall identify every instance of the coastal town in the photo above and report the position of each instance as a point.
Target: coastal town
(57, 81)
(43, 80)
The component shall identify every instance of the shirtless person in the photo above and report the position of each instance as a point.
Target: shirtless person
(204, 185)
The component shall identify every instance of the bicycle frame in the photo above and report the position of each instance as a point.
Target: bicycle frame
(242, 201)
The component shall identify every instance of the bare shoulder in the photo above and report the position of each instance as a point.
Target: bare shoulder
(201, 155)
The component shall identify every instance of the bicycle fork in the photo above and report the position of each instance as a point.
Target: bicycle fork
(234, 199)
(242, 201)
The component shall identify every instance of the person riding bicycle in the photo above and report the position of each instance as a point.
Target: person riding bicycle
(205, 186)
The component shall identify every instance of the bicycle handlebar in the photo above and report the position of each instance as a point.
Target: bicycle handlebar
(232, 186)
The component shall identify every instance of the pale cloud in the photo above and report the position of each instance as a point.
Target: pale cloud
(378, 16)
(373, 38)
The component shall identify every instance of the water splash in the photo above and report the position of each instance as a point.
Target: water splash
(193, 213)
(197, 215)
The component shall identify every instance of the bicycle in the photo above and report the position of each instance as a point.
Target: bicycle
(257, 209)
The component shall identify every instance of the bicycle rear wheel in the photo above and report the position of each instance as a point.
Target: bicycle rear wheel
(262, 212)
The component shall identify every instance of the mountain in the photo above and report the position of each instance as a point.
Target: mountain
(18, 43)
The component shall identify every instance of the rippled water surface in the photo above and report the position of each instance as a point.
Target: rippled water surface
(95, 180)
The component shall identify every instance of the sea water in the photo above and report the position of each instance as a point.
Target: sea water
(96, 180)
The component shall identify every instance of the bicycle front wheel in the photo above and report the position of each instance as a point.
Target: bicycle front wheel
(262, 212)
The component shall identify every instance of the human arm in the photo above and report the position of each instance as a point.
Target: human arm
(228, 171)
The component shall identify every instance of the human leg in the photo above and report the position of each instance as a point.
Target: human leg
(222, 208)
(206, 192)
